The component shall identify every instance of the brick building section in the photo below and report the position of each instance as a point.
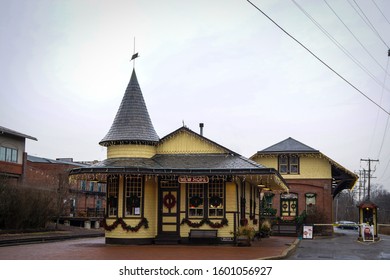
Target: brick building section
(53, 176)
(320, 187)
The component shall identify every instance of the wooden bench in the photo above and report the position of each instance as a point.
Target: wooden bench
(203, 236)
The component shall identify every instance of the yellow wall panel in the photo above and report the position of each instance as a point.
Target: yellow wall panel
(169, 228)
(231, 197)
(150, 213)
(186, 143)
(169, 220)
(133, 150)
(310, 167)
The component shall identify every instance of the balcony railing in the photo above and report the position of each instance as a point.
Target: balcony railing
(85, 212)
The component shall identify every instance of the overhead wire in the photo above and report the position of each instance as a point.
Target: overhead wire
(388, 118)
(356, 38)
(319, 59)
(340, 46)
(384, 137)
(380, 11)
(367, 21)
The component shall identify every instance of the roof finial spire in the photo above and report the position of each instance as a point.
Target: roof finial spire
(134, 56)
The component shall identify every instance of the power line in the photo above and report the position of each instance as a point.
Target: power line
(388, 117)
(354, 36)
(380, 11)
(367, 21)
(344, 50)
(320, 60)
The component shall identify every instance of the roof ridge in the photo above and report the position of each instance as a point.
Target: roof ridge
(289, 145)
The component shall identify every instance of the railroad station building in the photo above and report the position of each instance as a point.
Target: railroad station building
(175, 188)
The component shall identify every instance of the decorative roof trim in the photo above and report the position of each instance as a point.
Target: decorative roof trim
(127, 142)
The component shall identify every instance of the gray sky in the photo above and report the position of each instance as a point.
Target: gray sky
(65, 66)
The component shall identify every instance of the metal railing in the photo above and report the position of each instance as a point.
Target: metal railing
(86, 212)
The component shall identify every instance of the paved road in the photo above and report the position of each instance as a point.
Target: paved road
(343, 246)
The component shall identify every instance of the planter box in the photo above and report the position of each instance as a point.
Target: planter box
(243, 241)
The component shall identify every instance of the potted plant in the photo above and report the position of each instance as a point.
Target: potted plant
(265, 228)
(245, 235)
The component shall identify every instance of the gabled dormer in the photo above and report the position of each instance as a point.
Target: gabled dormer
(295, 160)
(186, 141)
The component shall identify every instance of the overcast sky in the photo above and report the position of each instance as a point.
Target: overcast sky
(65, 66)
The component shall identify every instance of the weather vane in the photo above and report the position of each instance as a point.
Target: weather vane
(134, 56)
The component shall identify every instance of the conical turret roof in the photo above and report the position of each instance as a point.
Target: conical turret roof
(132, 122)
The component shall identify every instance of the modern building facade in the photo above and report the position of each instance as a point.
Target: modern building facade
(13, 154)
(80, 201)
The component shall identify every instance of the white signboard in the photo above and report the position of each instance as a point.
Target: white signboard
(307, 232)
(367, 232)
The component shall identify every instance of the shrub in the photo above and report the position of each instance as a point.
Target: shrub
(24, 208)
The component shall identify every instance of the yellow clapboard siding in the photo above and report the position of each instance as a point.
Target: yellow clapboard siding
(231, 197)
(150, 213)
(133, 151)
(184, 142)
(225, 231)
(310, 167)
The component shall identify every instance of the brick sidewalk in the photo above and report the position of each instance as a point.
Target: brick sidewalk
(274, 247)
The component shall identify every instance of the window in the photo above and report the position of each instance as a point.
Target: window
(133, 195)
(289, 204)
(289, 164)
(100, 188)
(83, 185)
(283, 164)
(112, 196)
(98, 204)
(8, 154)
(91, 185)
(266, 205)
(196, 200)
(216, 198)
(310, 201)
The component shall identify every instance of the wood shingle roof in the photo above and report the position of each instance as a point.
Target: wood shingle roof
(132, 123)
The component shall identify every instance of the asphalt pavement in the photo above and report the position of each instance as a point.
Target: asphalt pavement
(343, 245)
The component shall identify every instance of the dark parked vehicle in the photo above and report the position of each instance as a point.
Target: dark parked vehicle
(347, 225)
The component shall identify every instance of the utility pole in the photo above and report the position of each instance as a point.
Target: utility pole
(369, 174)
(360, 186)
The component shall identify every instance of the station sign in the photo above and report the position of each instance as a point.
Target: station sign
(194, 179)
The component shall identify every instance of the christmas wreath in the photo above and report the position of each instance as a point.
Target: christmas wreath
(195, 201)
(293, 206)
(215, 201)
(169, 200)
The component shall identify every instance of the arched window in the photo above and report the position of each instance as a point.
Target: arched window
(310, 201)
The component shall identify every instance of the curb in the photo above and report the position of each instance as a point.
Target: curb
(286, 253)
(43, 239)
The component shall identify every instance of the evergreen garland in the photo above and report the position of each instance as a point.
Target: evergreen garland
(144, 222)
